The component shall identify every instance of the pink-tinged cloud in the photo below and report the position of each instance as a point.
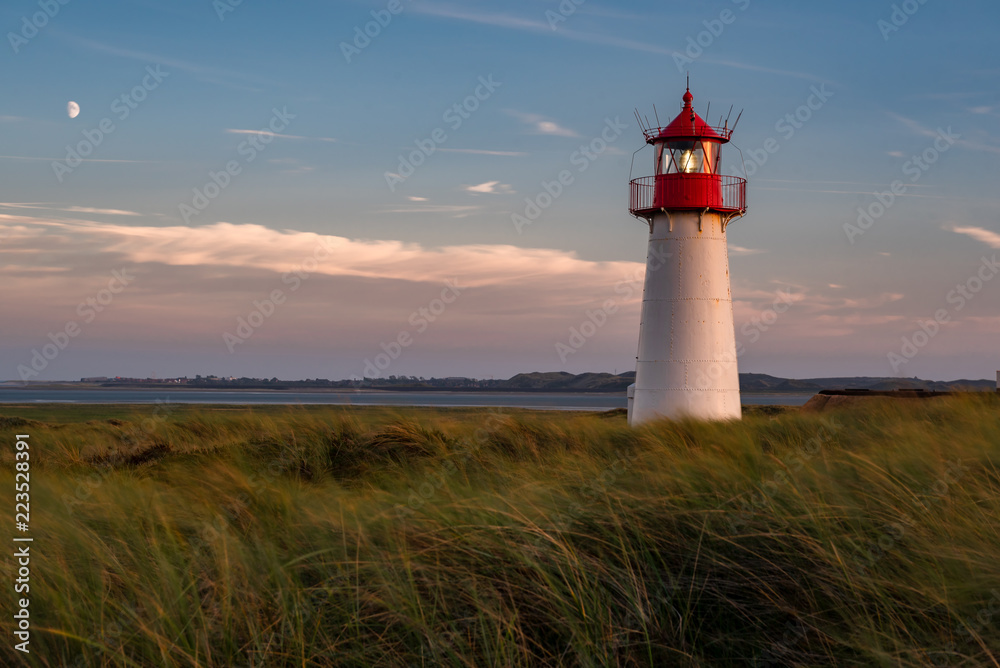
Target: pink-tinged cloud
(542, 125)
(344, 298)
(257, 247)
(490, 188)
(988, 237)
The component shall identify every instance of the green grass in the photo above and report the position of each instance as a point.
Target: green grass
(277, 536)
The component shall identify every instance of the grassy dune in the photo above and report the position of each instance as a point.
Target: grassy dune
(363, 537)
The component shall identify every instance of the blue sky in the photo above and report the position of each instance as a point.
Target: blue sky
(558, 73)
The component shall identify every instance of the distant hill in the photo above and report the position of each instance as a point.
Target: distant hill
(759, 382)
(568, 382)
(560, 381)
(754, 382)
(536, 381)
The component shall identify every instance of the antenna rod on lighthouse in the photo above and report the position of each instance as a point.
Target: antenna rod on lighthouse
(738, 119)
(656, 115)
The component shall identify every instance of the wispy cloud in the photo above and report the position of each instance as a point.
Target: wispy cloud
(848, 183)
(27, 157)
(277, 134)
(493, 19)
(456, 210)
(955, 95)
(213, 74)
(106, 212)
(862, 192)
(71, 209)
(988, 237)
(541, 125)
(923, 131)
(740, 65)
(818, 313)
(541, 27)
(869, 302)
(740, 250)
(490, 188)
(510, 22)
(845, 325)
(478, 151)
(292, 165)
(607, 13)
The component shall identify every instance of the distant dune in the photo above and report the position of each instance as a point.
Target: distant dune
(749, 382)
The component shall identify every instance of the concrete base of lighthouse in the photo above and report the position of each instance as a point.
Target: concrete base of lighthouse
(687, 345)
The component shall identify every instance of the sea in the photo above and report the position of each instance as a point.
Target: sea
(538, 400)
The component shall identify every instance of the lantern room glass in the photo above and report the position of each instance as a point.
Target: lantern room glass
(687, 157)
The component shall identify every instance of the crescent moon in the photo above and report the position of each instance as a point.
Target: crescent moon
(73, 109)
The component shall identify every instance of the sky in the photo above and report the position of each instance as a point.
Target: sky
(345, 189)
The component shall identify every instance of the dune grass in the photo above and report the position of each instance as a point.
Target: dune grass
(376, 537)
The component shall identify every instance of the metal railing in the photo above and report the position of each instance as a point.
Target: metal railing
(687, 191)
(641, 195)
(723, 131)
(734, 193)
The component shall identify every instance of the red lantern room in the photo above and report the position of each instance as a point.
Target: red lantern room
(687, 155)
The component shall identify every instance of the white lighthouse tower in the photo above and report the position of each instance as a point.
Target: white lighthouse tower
(686, 366)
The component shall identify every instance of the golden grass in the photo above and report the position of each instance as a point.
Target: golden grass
(354, 537)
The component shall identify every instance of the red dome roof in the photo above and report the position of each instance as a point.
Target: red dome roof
(689, 124)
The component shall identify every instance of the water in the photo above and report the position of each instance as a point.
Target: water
(540, 400)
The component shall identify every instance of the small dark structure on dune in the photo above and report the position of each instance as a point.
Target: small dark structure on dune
(841, 398)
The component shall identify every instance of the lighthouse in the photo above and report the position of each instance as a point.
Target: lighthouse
(686, 364)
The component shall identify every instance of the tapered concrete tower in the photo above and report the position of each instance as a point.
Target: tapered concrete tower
(686, 365)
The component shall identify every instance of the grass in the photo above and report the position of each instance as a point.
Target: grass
(319, 536)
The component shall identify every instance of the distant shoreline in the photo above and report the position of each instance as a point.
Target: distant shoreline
(533, 383)
(340, 390)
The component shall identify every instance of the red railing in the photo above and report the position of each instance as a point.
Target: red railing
(687, 191)
(723, 131)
